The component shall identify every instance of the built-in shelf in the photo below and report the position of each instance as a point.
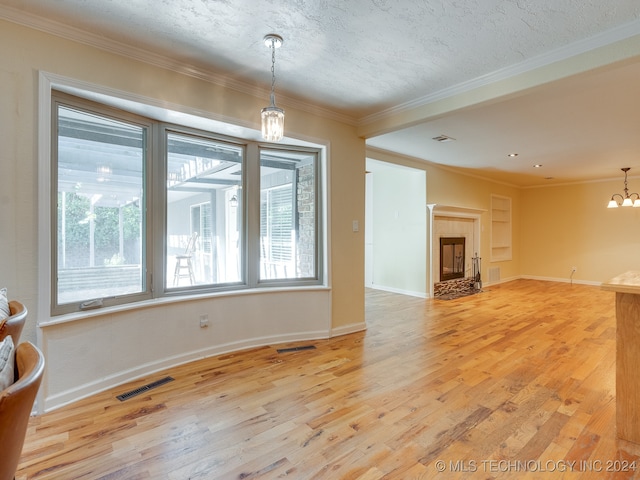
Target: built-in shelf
(500, 228)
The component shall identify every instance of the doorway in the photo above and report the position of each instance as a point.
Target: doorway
(396, 228)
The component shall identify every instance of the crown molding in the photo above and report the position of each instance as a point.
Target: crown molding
(371, 153)
(579, 182)
(58, 29)
(603, 39)
(152, 58)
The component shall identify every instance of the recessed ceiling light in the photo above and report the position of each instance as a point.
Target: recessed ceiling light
(537, 165)
(512, 155)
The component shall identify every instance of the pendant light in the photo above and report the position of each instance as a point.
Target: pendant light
(627, 200)
(272, 116)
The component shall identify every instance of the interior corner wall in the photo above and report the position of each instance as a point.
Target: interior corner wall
(570, 226)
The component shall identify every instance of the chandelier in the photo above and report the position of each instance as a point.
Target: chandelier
(627, 199)
(272, 116)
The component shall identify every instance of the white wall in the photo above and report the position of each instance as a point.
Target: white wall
(397, 216)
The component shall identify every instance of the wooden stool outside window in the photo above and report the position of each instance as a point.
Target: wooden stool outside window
(184, 266)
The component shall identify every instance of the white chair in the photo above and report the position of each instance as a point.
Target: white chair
(184, 265)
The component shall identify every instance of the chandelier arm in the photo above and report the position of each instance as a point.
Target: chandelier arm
(617, 195)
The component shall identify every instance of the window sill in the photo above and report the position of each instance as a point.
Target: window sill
(85, 314)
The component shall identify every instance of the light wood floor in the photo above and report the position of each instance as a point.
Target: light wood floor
(515, 382)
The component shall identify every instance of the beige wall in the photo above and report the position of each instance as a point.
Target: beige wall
(25, 52)
(569, 225)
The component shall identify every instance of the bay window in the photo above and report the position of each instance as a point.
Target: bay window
(146, 209)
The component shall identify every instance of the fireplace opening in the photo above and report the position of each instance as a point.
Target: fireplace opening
(451, 258)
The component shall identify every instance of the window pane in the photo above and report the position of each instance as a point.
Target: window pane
(287, 215)
(204, 214)
(99, 216)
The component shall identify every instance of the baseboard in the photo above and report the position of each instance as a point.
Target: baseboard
(502, 280)
(562, 280)
(398, 290)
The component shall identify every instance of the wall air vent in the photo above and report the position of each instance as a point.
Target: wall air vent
(443, 138)
(493, 274)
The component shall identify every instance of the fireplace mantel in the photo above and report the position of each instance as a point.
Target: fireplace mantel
(439, 210)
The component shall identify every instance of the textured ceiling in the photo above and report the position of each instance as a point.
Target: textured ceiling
(362, 59)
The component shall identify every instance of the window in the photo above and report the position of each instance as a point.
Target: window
(146, 209)
(100, 191)
(287, 215)
(203, 175)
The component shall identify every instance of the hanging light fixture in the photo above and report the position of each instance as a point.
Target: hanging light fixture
(272, 116)
(627, 200)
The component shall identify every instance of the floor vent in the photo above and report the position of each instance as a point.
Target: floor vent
(144, 388)
(296, 349)
(443, 138)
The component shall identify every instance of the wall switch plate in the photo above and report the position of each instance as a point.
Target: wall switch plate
(204, 321)
(355, 225)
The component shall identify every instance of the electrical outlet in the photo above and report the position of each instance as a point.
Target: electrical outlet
(204, 321)
(574, 269)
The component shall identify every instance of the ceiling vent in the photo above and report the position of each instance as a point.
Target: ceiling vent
(443, 138)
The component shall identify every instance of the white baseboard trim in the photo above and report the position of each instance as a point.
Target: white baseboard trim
(73, 395)
(562, 280)
(502, 280)
(398, 290)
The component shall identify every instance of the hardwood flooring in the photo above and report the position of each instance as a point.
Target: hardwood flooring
(515, 382)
